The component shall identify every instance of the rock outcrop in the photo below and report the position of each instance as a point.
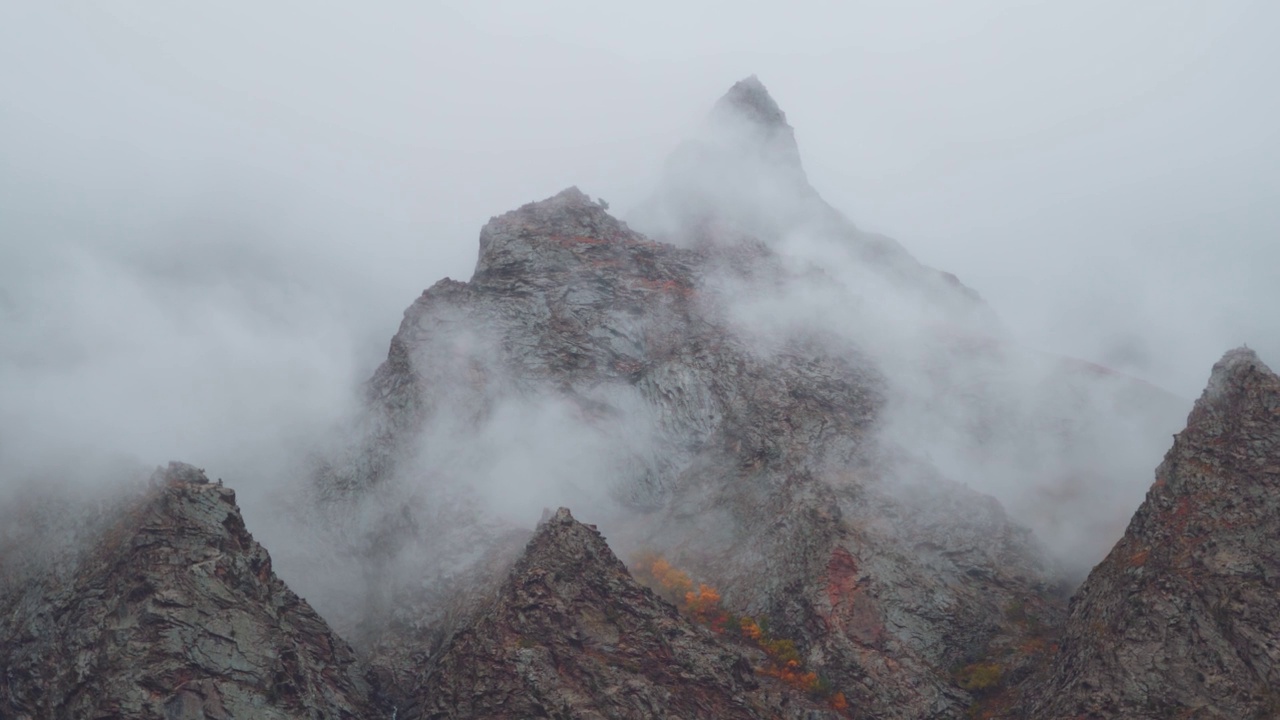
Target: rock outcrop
(755, 462)
(173, 612)
(1182, 619)
(571, 634)
(757, 392)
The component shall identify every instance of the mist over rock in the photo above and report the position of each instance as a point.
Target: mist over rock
(840, 445)
(749, 100)
(570, 633)
(1182, 619)
(1055, 439)
(173, 612)
(584, 363)
(740, 181)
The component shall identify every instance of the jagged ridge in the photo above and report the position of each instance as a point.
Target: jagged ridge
(1182, 619)
(176, 614)
(571, 634)
(762, 473)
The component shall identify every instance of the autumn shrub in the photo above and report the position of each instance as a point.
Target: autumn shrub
(703, 603)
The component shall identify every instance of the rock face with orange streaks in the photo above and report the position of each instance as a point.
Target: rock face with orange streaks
(1182, 619)
(756, 459)
(571, 634)
(757, 390)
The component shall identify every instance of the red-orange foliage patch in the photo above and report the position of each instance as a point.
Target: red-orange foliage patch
(705, 606)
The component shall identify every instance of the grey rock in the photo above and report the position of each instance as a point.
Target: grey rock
(173, 612)
(1182, 619)
(764, 471)
(571, 634)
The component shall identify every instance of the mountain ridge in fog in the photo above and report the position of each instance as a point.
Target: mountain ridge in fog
(854, 492)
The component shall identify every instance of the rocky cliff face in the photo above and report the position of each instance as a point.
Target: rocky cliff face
(571, 634)
(770, 412)
(756, 462)
(1182, 619)
(173, 612)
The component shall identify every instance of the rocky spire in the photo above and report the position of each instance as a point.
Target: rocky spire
(1238, 374)
(749, 114)
(1181, 619)
(175, 613)
(741, 168)
(750, 99)
(572, 634)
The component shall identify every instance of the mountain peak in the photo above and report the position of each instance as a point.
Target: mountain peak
(179, 473)
(1239, 368)
(1241, 391)
(560, 517)
(562, 538)
(174, 611)
(571, 633)
(749, 99)
(742, 168)
(746, 122)
(1173, 621)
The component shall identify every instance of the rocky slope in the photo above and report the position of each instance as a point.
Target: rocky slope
(1182, 619)
(173, 612)
(571, 634)
(755, 462)
(771, 413)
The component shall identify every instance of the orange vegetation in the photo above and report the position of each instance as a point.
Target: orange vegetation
(793, 674)
(669, 578)
(703, 604)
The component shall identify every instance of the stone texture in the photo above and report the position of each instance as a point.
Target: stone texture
(767, 460)
(764, 472)
(571, 635)
(1182, 619)
(174, 612)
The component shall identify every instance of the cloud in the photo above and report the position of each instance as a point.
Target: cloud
(211, 219)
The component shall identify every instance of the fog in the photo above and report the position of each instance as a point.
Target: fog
(211, 219)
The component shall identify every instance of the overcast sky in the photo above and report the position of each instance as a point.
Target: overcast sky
(212, 215)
